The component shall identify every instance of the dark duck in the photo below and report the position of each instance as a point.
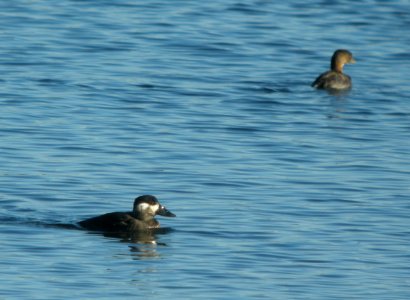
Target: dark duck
(335, 79)
(140, 219)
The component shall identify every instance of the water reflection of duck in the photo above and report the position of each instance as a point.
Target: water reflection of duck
(334, 79)
(139, 220)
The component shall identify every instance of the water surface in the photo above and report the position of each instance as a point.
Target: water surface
(280, 191)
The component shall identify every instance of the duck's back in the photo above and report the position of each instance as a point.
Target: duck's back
(115, 221)
(333, 80)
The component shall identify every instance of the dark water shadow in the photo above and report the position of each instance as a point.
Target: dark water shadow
(137, 237)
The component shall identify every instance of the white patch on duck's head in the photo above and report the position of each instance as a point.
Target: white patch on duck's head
(149, 209)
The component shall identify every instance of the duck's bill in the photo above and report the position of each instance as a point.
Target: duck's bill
(162, 211)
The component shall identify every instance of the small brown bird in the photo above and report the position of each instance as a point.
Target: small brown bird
(334, 79)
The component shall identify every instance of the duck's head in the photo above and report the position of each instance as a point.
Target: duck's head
(340, 58)
(147, 206)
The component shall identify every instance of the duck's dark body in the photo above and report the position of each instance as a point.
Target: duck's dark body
(118, 222)
(140, 219)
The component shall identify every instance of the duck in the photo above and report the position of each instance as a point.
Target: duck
(335, 79)
(140, 219)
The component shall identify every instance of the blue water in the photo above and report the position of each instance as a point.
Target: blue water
(280, 191)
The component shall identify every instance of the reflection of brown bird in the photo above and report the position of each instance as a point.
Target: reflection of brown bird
(139, 220)
(334, 79)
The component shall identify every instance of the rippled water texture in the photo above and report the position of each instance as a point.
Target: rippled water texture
(280, 191)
